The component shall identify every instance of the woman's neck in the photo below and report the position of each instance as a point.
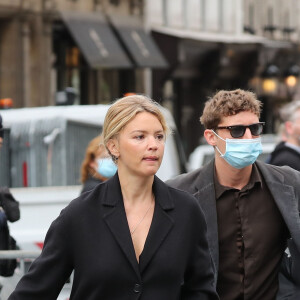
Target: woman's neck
(136, 188)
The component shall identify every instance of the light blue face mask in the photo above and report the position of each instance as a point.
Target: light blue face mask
(106, 167)
(241, 153)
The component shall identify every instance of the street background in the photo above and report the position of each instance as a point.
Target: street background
(179, 52)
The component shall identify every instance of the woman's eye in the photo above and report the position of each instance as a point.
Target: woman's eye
(160, 137)
(139, 137)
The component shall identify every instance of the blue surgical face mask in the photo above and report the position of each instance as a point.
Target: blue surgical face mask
(241, 153)
(106, 167)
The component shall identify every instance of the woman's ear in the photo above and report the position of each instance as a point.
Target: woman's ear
(113, 147)
(210, 137)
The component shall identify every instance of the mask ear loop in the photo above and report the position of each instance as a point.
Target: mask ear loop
(221, 155)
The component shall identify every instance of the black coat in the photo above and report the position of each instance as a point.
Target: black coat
(285, 156)
(92, 237)
(9, 204)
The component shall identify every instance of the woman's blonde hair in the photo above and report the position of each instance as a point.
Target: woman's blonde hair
(94, 149)
(124, 110)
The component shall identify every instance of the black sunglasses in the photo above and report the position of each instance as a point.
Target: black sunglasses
(237, 131)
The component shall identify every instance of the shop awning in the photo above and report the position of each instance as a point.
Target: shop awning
(210, 37)
(96, 40)
(139, 44)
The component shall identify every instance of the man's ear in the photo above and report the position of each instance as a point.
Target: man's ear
(288, 127)
(113, 147)
(210, 137)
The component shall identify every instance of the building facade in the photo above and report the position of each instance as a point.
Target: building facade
(82, 51)
(224, 44)
(93, 51)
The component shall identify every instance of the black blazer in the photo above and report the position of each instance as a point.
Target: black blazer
(283, 183)
(92, 236)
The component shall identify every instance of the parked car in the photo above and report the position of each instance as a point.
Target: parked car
(204, 153)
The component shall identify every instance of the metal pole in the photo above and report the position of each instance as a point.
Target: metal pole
(14, 254)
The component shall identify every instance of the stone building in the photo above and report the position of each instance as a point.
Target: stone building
(96, 50)
(224, 44)
(178, 51)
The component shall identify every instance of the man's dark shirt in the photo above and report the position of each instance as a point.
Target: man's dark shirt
(252, 240)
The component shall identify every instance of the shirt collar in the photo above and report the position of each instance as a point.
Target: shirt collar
(255, 178)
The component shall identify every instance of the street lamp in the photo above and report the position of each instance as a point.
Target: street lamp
(291, 77)
(270, 79)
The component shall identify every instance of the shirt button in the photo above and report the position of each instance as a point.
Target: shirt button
(137, 288)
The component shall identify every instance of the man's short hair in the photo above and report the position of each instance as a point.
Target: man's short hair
(228, 103)
(290, 111)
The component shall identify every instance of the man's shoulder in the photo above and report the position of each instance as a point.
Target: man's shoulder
(284, 155)
(187, 181)
(284, 152)
(281, 169)
(273, 172)
(184, 177)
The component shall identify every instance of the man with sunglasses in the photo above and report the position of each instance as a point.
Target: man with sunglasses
(251, 208)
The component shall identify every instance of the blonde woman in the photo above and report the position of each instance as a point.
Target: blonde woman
(132, 237)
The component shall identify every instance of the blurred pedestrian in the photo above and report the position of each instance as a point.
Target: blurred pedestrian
(97, 165)
(251, 208)
(9, 211)
(287, 152)
(131, 237)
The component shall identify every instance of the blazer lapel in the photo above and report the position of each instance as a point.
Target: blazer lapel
(207, 199)
(284, 197)
(161, 224)
(115, 218)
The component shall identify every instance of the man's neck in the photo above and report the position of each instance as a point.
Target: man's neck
(294, 141)
(230, 176)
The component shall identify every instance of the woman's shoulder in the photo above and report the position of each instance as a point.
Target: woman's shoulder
(89, 199)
